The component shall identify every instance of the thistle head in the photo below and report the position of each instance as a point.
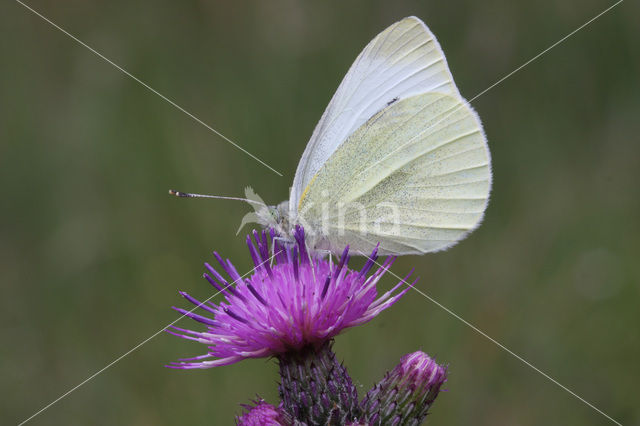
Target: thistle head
(298, 301)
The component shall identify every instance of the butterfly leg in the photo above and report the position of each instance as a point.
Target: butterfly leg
(330, 253)
(283, 242)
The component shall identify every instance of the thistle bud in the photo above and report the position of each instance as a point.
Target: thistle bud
(405, 393)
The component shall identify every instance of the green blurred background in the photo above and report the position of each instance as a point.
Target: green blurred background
(93, 250)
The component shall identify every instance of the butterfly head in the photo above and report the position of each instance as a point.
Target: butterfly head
(275, 217)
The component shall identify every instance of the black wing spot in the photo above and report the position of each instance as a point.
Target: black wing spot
(392, 101)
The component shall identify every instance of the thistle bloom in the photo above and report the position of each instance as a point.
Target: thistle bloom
(262, 414)
(301, 301)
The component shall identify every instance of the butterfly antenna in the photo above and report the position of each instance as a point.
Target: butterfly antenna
(217, 197)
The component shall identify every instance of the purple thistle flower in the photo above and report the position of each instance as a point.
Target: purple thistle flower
(302, 300)
(261, 413)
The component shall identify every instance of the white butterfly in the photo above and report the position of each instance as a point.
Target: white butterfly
(398, 157)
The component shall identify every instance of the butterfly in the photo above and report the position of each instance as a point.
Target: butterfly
(399, 158)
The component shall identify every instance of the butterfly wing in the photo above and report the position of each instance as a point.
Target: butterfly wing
(402, 61)
(415, 177)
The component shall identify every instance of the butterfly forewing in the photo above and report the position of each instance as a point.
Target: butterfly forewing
(402, 61)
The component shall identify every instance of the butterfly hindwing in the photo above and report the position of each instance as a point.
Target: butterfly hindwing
(415, 177)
